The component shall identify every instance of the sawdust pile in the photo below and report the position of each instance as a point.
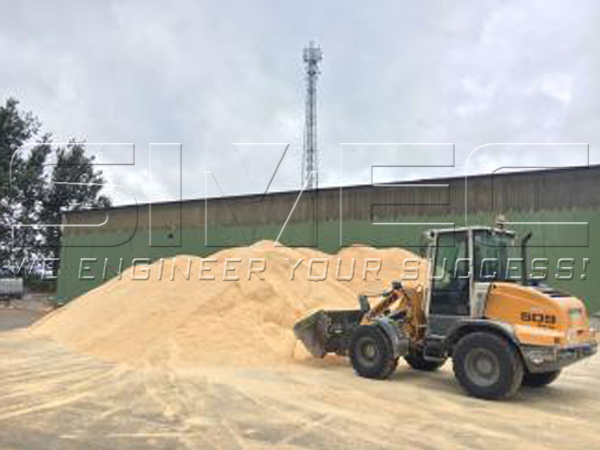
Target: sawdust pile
(193, 322)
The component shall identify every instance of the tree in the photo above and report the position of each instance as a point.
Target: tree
(16, 129)
(72, 166)
(32, 189)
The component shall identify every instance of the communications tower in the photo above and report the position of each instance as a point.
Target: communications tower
(312, 57)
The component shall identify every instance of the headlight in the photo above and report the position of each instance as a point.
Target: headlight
(575, 314)
(540, 355)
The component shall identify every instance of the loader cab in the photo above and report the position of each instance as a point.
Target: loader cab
(463, 263)
(449, 274)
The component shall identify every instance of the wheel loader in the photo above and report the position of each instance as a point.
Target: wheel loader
(477, 306)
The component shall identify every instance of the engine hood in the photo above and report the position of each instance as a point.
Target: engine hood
(539, 313)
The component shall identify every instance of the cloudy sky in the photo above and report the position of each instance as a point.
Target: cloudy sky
(208, 74)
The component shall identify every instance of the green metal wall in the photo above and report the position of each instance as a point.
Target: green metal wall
(558, 241)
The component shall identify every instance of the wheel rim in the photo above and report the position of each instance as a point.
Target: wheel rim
(482, 367)
(368, 352)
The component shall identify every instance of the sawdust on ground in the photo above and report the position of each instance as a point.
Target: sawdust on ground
(216, 322)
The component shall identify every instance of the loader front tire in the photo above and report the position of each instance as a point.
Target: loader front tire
(371, 352)
(487, 366)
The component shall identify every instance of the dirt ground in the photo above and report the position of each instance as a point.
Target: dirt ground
(52, 397)
(22, 313)
(55, 397)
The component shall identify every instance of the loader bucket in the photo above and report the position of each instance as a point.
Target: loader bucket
(328, 331)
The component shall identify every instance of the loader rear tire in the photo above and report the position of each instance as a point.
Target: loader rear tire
(371, 352)
(487, 366)
(416, 361)
(537, 380)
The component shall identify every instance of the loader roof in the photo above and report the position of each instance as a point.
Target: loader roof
(435, 231)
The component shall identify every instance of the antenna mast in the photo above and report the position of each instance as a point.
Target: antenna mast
(312, 56)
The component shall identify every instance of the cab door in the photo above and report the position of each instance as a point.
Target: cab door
(449, 299)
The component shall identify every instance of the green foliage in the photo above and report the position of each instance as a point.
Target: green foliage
(72, 166)
(31, 186)
(16, 128)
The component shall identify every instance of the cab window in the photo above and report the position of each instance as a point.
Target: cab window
(450, 284)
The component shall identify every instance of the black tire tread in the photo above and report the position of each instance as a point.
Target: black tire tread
(385, 346)
(482, 338)
(538, 380)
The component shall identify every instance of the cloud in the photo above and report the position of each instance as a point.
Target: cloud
(208, 74)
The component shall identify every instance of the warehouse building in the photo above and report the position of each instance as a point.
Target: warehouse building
(560, 206)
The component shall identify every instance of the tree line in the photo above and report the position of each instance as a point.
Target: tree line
(31, 189)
